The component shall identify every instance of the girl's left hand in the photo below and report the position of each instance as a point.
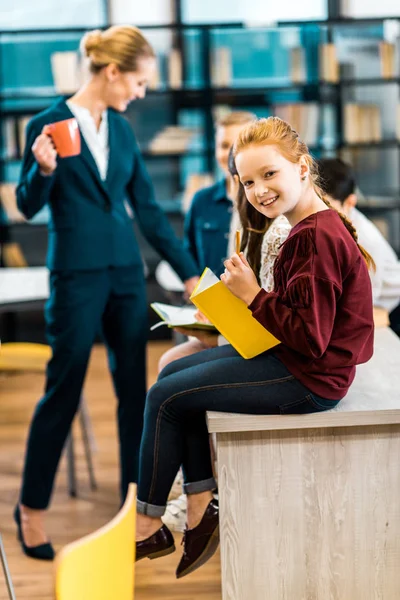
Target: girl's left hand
(240, 279)
(190, 284)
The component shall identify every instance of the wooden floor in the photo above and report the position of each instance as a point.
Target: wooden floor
(69, 519)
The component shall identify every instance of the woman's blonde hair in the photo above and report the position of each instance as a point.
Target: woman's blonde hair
(122, 45)
(275, 131)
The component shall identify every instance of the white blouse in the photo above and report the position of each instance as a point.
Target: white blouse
(273, 238)
(96, 139)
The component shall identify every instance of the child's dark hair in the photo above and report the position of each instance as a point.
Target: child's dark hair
(253, 222)
(336, 178)
(279, 133)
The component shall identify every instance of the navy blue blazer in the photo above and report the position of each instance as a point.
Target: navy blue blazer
(207, 227)
(89, 226)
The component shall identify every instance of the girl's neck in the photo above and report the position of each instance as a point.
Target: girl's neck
(90, 96)
(309, 204)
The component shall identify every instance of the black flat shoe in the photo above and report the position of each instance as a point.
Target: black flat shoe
(201, 542)
(161, 543)
(42, 552)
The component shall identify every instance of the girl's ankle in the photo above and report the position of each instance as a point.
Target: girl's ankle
(197, 506)
(146, 527)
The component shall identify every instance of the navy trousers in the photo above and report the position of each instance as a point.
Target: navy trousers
(81, 304)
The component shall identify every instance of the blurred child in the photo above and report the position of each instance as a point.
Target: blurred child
(208, 219)
(337, 180)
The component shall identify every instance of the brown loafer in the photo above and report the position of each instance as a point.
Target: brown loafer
(201, 542)
(161, 543)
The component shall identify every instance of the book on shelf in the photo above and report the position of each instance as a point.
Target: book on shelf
(22, 124)
(9, 202)
(9, 138)
(231, 316)
(173, 139)
(297, 65)
(328, 63)
(221, 67)
(362, 123)
(178, 316)
(304, 117)
(383, 225)
(387, 54)
(175, 69)
(155, 81)
(65, 69)
(13, 256)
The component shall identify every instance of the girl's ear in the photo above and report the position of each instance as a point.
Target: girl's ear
(304, 168)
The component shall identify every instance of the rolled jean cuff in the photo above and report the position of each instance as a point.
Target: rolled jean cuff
(200, 486)
(151, 510)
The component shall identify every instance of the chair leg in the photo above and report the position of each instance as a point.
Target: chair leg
(72, 487)
(88, 441)
(7, 575)
(88, 423)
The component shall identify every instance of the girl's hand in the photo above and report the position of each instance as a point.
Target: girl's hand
(240, 279)
(210, 340)
(200, 317)
(190, 284)
(45, 153)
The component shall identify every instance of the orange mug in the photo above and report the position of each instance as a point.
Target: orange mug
(66, 137)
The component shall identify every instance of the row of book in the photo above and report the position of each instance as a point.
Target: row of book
(68, 74)
(13, 135)
(173, 139)
(194, 182)
(304, 117)
(9, 203)
(362, 123)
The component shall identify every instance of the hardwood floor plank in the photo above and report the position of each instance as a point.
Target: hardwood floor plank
(68, 518)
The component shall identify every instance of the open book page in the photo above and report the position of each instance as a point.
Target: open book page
(178, 316)
(206, 281)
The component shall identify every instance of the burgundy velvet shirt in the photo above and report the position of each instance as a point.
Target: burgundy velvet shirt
(321, 307)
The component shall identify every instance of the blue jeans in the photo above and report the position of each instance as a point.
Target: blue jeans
(175, 431)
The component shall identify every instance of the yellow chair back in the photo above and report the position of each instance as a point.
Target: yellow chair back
(100, 566)
(21, 356)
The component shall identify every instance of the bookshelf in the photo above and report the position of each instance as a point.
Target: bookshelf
(337, 80)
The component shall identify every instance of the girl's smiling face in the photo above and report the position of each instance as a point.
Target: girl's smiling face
(273, 184)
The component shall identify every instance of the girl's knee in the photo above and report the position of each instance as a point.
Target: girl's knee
(167, 363)
(167, 358)
(156, 395)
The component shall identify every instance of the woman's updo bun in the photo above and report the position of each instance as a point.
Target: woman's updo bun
(122, 45)
(91, 42)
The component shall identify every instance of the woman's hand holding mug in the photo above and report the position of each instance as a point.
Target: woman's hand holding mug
(62, 138)
(45, 154)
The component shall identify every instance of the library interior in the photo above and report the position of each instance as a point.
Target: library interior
(198, 200)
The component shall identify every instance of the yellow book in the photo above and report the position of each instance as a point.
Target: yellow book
(231, 317)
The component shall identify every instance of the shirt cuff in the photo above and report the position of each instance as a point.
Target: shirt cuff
(255, 303)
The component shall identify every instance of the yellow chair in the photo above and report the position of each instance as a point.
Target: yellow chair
(21, 356)
(100, 566)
